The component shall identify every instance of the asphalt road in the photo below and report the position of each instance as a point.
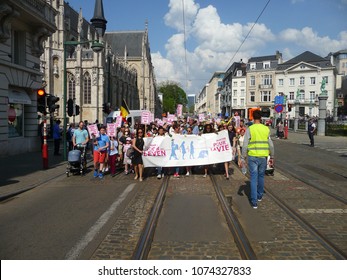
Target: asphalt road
(67, 218)
(61, 220)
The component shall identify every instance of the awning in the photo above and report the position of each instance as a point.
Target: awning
(18, 96)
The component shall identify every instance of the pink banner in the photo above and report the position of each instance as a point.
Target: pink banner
(93, 130)
(179, 110)
(119, 121)
(145, 117)
(111, 129)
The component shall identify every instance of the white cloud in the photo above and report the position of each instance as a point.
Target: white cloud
(212, 44)
(174, 18)
(309, 39)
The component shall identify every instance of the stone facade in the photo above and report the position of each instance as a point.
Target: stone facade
(25, 25)
(93, 78)
(208, 100)
(300, 80)
(132, 48)
(233, 92)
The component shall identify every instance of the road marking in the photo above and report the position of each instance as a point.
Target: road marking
(94, 230)
(323, 211)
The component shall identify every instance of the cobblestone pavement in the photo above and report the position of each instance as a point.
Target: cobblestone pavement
(192, 245)
(275, 235)
(122, 239)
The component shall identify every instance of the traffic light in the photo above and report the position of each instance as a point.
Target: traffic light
(51, 100)
(289, 107)
(77, 110)
(70, 107)
(105, 108)
(41, 100)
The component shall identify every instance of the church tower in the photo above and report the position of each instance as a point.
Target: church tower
(98, 20)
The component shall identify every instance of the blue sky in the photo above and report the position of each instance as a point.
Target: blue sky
(216, 28)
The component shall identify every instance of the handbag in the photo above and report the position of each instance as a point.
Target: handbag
(130, 152)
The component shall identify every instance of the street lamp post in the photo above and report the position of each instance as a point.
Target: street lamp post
(96, 47)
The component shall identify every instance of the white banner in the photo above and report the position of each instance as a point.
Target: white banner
(187, 150)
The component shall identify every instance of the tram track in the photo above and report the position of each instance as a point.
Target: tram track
(304, 223)
(313, 185)
(241, 240)
(144, 243)
(337, 252)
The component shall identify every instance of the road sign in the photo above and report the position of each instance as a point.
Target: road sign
(279, 99)
(279, 108)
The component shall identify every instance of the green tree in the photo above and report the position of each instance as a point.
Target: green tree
(173, 95)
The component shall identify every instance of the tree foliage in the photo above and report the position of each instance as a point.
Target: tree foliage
(173, 95)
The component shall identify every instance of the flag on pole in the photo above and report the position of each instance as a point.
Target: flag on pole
(124, 110)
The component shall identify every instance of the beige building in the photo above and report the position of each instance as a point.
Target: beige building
(24, 28)
(261, 87)
(208, 100)
(300, 80)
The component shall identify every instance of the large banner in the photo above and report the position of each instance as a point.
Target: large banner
(187, 150)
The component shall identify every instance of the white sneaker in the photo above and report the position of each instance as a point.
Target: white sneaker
(205, 175)
(187, 174)
(158, 176)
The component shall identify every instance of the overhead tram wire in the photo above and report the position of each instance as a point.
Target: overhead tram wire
(185, 45)
(249, 32)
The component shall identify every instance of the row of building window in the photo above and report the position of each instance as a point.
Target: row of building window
(267, 80)
(265, 96)
(87, 88)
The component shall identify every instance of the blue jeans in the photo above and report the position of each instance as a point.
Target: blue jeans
(257, 167)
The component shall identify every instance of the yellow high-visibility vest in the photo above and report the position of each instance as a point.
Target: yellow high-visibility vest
(258, 144)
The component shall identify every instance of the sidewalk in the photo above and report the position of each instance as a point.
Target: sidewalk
(23, 172)
(20, 173)
(323, 142)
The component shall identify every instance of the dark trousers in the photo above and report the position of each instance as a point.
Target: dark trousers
(56, 146)
(310, 135)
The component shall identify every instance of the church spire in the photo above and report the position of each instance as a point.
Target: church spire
(98, 20)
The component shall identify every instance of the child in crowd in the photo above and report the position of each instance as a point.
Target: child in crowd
(127, 161)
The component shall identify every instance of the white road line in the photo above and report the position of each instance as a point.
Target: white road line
(94, 230)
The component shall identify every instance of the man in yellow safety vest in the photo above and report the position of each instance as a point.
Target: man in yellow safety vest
(257, 146)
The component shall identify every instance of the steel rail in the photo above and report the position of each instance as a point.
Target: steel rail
(241, 240)
(144, 244)
(308, 182)
(332, 248)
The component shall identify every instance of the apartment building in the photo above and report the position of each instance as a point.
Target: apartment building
(233, 93)
(208, 100)
(300, 80)
(261, 87)
(24, 28)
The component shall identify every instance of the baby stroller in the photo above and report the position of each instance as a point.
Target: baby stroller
(76, 162)
(270, 170)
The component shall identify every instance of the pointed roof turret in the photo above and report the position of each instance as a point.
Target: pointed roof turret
(98, 20)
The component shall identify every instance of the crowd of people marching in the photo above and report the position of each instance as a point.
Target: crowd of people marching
(111, 152)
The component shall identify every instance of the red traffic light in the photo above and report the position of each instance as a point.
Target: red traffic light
(41, 92)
